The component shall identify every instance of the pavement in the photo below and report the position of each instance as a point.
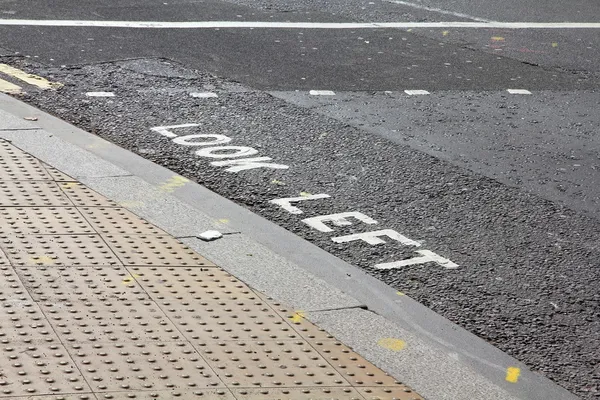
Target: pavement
(98, 303)
(451, 157)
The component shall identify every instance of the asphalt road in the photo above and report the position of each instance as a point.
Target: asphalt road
(503, 185)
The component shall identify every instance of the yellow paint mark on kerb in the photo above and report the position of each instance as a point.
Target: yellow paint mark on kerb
(400, 294)
(224, 221)
(497, 38)
(28, 78)
(554, 44)
(512, 374)
(298, 316)
(130, 279)
(304, 194)
(10, 88)
(392, 344)
(173, 183)
(445, 33)
(42, 260)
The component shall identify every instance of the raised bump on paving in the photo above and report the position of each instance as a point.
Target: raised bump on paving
(91, 294)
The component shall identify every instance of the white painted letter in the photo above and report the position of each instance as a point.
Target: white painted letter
(239, 151)
(164, 130)
(373, 237)
(426, 256)
(248, 163)
(337, 220)
(286, 203)
(218, 139)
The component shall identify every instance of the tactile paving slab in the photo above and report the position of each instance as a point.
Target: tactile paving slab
(118, 221)
(43, 221)
(32, 193)
(270, 363)
(154, 250)
(54, 250)
(82, 196)
(143, 366)
(110, 321)
(80, 283)
(210, 304)
(22, 168)
(38, 369)
(21, 320)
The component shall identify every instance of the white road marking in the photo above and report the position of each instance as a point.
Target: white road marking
(518, 91)
(286, 203)
(426, 257)
(416, 92)
(100, 94)
(297, 25)
(230, 152)
(438, 10)
(322, 93)
(187, 140)
(214, 152)
(165, 130)
(248, 163)
(373, 238)
(337, 220)
(203, 95)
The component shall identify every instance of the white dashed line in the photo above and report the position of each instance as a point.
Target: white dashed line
(100, 94)
(203, 95)
(322, 93)
(416, 92)
(518, 91)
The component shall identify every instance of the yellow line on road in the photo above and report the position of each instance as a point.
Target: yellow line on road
(7, 87)
(28, 78)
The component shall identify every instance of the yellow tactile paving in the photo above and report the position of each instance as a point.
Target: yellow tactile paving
(96, 303)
